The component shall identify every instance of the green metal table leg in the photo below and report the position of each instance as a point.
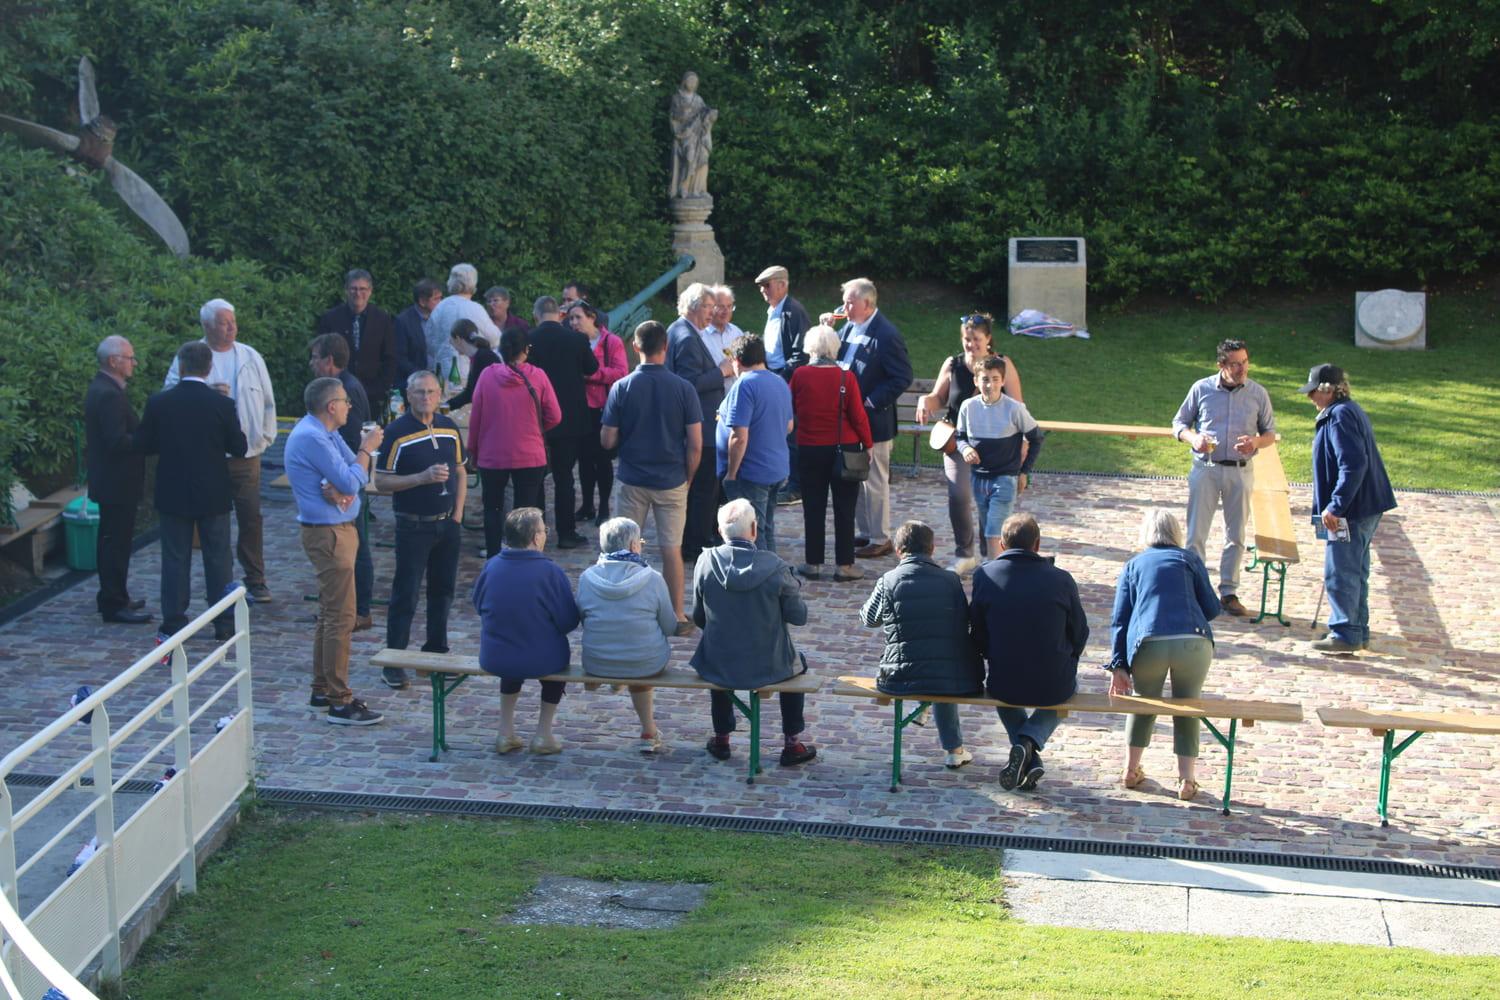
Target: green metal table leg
(751, 711)
(902, 721)
(1267, 568)
(440, 691)
(1228, 745)
(1389, 752)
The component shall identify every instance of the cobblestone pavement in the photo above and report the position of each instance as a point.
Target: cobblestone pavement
(1298, 789)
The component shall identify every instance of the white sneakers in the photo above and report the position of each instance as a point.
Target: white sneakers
(956, 759)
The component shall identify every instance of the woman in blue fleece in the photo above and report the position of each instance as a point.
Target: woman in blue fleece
(526, 610)
(1163, 604)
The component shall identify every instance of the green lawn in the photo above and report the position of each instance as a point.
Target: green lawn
(1435, 412)
(337, 906)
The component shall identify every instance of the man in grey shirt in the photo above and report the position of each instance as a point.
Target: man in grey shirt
(1225, 419)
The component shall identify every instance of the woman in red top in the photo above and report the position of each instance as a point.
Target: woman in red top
(513, 406)
(829, 411)
(595, 463)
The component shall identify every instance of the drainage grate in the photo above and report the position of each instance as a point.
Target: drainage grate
(134, 785)
(871, 834)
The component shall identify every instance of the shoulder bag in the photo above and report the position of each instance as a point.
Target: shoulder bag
(850, 461)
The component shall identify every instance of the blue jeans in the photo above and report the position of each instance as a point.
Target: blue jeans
(763, 499)
(430, 550)
(995, 496)
(946, 716)
(1346, 579)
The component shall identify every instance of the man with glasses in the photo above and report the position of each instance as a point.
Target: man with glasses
(1225, 419)
(315, 456)
(421, 461)
(330, 359)
(787, 323)
(116, 477)
(370, 333)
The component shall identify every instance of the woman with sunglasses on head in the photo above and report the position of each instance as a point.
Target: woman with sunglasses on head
(957, 380)
(596, 466)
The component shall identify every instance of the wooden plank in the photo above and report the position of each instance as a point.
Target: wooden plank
(850, 686)
(1270, 476)
(1126, 430)
(1426, 720)
(671, 677)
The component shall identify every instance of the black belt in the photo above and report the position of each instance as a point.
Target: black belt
(422, 517)
(1240, 462)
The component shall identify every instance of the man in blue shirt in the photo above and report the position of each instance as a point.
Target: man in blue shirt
(330, 359)
(786, 325)
(750, 436)
(655, 419)
(690, 358)
(1225, 419)
(317, 457)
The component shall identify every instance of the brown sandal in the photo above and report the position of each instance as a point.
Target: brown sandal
(1187, 789)
(1135, 777)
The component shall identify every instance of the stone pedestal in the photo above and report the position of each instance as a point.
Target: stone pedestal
(1050, 274)
(1391, 320)
(692, 234)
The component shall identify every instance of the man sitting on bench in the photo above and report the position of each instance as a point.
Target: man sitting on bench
(743, 599)
(1029, 623)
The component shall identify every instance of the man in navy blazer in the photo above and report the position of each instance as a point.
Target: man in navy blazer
(116, 477)
(411, 332)
(875, 352)
(370, 333)
(195, 430)
(689, 358)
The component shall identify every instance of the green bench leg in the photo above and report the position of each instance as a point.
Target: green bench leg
(902, 721)
(1389, 751)
(440, 691)
(751, 711)
(1267, 568)
(1228, 744)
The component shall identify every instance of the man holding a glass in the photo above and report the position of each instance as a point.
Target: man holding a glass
(421, 462)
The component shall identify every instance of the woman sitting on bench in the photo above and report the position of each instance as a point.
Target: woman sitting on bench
(627, 618)
(1163, 604)
(526, 610)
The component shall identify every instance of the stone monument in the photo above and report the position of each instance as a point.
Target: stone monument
(1391, 320)
(1050, 273)
(691, 204)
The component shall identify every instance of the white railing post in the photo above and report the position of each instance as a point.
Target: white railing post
(245, 701)
(8, 868)
(104, 829)
(182, 754)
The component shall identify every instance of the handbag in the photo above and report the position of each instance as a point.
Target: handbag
(943, 437)
(852, 466)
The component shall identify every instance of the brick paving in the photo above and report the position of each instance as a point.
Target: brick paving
(1299, 789)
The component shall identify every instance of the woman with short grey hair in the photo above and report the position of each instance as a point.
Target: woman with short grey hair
(627, 618)
(1163, 604)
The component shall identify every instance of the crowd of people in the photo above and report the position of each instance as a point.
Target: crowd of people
(709, 434)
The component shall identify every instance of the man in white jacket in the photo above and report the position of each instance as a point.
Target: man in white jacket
(239, 372)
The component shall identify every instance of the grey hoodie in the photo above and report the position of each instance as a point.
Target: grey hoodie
(627, 615)
(744, 598)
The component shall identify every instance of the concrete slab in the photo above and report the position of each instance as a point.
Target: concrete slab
(1452, 930)
(1251, 878)
(1100, 906)
(581, 902)
(1291, 918)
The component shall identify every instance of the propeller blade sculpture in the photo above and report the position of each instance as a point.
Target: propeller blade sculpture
(94, 145)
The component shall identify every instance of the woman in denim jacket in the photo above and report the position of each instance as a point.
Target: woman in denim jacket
(1163, 604)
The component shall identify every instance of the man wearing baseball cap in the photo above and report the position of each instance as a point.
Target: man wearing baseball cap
(786, 324)
(1350, 493)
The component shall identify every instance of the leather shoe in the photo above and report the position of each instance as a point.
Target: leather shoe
(875, 550)
(125, 616)
(1333, 644)
(860, 541)
(363, 623)
(1231, 605)
(137, 604)
(573, 541)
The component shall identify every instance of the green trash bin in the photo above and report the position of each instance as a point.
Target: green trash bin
(81, 524)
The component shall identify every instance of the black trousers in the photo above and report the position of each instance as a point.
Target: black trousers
(177, 565)
(529, 492)
(112, 554)
(562, 455)
(596, 466)
(815, 463)
(721, 708)
(427, 549)
(701, 530)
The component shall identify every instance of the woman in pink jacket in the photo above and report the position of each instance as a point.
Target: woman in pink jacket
(514, 405)
(595, 464)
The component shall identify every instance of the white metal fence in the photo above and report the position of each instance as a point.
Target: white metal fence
(82, 917)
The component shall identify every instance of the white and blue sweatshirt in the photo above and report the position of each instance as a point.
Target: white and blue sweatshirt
(996, 432)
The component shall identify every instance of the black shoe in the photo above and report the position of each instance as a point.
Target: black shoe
(797, 752)
(395, 678)
(602, 516)
(126, 616)
(583, 514)
(356, 713)
(223, 633)
(318, 701)
(788, 497)
(860, 541)
(718, 747)
(1014, 767)
(573, 541)
(1032, 773)
(137, 604)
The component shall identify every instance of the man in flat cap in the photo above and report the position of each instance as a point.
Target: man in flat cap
(786, 324)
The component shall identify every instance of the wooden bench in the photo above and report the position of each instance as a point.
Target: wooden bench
(1275, 544)
(1386, 725)
(1207, 709)
(36, 529)
(448, 670)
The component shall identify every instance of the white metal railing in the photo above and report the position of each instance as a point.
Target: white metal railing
(82, 918)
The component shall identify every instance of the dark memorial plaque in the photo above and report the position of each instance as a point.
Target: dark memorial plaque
(1046, 251)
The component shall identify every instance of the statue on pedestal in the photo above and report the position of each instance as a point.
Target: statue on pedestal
(692, 140)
